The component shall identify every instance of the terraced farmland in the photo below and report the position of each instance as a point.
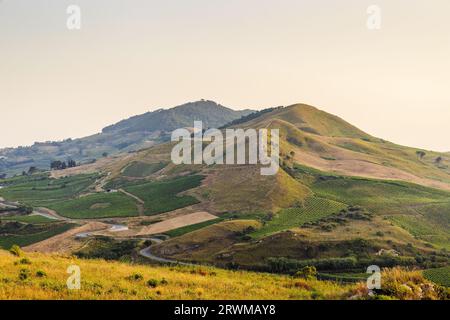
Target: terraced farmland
(379, 196)
(162, 196)
(33, 234)
(440, 276)
(142, 169)
(313, 209)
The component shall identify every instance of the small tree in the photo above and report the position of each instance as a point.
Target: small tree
(32, 170)
(438, 160)
(420, 154)
(71, 163)
(308, 272)
(55, 165)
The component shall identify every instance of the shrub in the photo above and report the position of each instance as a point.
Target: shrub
(25, 261)
(308, 272)
(153, 283)
(15, 250)
(408, 285)
(41, 274)
(24, 274)
(135, 277)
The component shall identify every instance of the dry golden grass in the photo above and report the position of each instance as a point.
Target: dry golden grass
(177, 222)
(111, 280)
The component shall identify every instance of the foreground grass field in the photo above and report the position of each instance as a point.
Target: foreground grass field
(44, 277)
(38, 276)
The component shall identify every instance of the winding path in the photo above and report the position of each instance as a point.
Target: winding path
(140, 203)
(147, 254)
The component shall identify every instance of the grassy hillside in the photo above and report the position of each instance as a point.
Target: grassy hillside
(340, 217)
(320, 140)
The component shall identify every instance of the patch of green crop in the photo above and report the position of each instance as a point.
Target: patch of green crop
(40, 190)
(440, 276)
(98, 205)
(313, 209)
(28, 219)
(187, 229)
(163, 196)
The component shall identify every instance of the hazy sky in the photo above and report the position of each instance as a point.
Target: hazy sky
(138, 55)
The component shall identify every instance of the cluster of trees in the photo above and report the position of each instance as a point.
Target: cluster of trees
(31, 170)
(61, 165)
(421, 154)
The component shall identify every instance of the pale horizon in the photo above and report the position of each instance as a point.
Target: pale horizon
(130, 58)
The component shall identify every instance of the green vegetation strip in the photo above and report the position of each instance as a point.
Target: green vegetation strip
(29, 219)
(7, 242)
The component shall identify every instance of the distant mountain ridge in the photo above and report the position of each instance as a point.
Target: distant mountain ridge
(211, 113)
(132, 134)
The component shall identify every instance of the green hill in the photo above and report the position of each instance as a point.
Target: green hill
(212, 114)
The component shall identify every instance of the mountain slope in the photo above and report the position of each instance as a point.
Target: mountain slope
(326, 142)
(212, 114)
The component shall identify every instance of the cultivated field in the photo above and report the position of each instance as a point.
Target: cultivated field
(177, 222)
(440, 276)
